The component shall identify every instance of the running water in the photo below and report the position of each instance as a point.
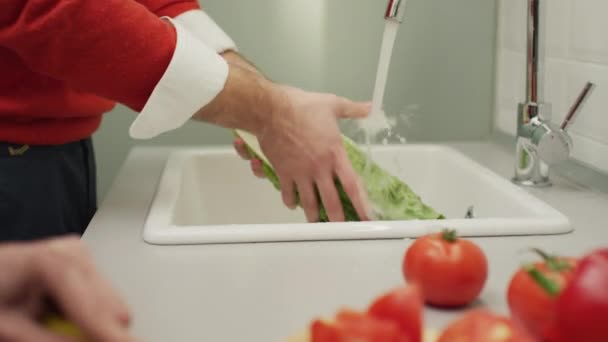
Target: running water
(377, 121)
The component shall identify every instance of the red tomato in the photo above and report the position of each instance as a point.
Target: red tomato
(530, 304)
(451, 271)
(403, 306)
(352, 326)
(483, 326)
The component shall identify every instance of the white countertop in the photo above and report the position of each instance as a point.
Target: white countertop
(267, 291)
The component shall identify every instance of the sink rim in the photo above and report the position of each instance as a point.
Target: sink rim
(159, 229)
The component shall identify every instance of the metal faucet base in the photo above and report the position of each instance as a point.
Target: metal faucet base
(545, 183)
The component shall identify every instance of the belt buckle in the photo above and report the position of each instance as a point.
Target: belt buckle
(18, 151)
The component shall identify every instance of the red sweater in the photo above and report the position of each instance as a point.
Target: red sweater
(63, 63)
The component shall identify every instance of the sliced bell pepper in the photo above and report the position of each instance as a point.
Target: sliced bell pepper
(353, 326)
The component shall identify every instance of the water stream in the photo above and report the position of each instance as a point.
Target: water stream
(377, 123)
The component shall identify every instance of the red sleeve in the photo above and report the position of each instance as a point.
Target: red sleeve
(117, 49)
(169, 8)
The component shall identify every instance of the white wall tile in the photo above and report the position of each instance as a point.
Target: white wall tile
(506, 121)
(557, 27)
(510, 88)
(589, 27)
(592, 121)
(590, 152)
(556, 88)
(512, 25)
(513, 68)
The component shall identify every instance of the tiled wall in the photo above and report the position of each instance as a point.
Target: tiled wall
(576, 52)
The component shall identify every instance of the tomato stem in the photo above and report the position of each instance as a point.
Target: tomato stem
(547, 284)
(553, 263)
(544, 255)
(449, 235)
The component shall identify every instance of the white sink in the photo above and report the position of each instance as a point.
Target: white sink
(209, 195)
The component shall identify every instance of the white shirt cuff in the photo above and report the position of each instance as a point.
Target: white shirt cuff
(206, 29)
(195, 76)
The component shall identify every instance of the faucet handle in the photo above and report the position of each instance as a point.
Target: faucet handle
(575, 109)
(553, 142)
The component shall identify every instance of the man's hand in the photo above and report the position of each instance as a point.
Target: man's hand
(59, 270)
(335, 161)
(312, 208)
(298, 132)
(304, 144)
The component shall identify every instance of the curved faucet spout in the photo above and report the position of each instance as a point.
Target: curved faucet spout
(395, 10)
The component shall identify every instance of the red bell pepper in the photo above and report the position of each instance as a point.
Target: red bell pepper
(395, 316)
(581, 304)
(354, 326)
(404, 306)
(533, 307)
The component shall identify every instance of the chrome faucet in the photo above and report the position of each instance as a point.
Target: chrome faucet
(540, 143)
(395, 10)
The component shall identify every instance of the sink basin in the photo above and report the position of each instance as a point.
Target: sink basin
(209, 195)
